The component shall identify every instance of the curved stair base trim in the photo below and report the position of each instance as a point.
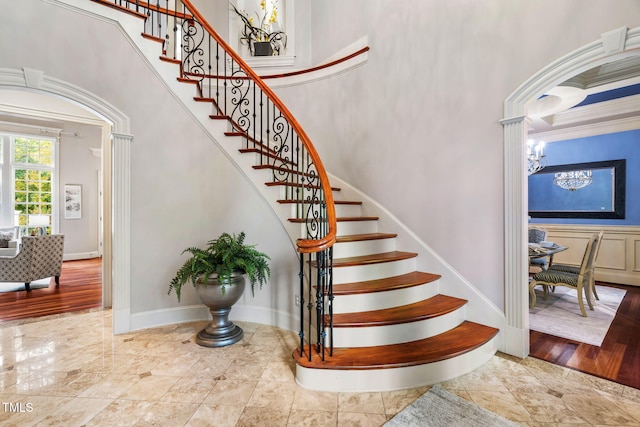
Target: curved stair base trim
(479, 308)
(389, 379)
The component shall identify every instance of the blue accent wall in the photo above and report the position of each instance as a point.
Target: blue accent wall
(615, 146)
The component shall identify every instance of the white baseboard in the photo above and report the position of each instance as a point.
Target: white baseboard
(80, 255)
(194, 313)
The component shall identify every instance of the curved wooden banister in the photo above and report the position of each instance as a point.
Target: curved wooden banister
(317, 67)
(301, 72)
(304, 245)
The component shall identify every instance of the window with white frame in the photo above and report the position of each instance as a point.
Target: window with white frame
(28, 177)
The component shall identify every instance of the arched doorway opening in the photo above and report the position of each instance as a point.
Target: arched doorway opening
(115, 157)
(612, 46)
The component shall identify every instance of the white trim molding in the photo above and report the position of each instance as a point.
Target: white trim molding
(613, 45)
(117, 274)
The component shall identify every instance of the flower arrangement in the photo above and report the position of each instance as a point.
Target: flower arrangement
(263, 30)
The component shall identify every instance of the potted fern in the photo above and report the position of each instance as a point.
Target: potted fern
(218, 273)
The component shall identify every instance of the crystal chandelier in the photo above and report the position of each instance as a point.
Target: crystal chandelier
(573, 180)
(535, 157)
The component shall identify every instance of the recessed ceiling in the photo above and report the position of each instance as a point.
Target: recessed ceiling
(609, 93)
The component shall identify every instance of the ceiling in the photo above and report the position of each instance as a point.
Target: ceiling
(604, 99)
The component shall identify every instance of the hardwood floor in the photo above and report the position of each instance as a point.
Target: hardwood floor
(618, 359)
(80, 289)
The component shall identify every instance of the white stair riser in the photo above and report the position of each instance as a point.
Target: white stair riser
(363, 247)
(395, 334)
(341, 210)
(360, 273)
(348, 210)
(381, 300)
(346, 228)
(388, 379)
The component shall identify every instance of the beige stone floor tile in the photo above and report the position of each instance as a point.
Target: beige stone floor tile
(364, 403)
(311, 400)
(598, 410)
(257, 417)
(190, 390)
(34, 409)
(120, 413)
(274, 395)
(150, 387)
(354, 419)
(111, 386)
(76, 412)
(230, 392)
(299, 418)
(549, 408)
(245, 369)
(396, 401)
(167, 415)
(501, 403)
(279, 371)
(218, 416)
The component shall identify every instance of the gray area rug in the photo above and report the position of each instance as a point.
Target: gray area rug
(438, 407)
(560, 314)
(13, 286)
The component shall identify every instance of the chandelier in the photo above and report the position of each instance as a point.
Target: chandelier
(573, 180)
(535, 157)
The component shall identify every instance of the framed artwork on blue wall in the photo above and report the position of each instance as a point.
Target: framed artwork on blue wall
(580, 190)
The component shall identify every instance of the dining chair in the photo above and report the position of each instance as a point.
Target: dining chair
(581, 281)
(575, 269)
(537, 235)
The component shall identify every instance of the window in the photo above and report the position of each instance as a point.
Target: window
(30, 178)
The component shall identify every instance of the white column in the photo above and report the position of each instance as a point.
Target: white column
(120, 231)
(516, 262)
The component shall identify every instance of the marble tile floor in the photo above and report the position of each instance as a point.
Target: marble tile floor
(70, 370)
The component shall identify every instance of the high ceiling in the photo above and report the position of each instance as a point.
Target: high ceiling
(604, 99)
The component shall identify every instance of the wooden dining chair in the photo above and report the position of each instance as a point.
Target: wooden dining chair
(575, 269)
(581, 281)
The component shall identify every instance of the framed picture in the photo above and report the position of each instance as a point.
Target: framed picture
(603, 198)
(72, 201)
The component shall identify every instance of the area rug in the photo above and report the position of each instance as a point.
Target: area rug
(19, 286)
(438, 407)
(560, 314)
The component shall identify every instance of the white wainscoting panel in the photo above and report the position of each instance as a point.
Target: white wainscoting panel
(619, 257)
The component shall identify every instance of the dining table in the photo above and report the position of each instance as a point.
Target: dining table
(539, 251)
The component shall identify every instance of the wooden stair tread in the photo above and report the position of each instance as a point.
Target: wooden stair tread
(435, 306)
(408, 280)
(372, 259)
(460, 340)
(363, 237)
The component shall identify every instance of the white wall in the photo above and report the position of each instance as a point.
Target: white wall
(79, 166)
(417, 127)
(184, 191)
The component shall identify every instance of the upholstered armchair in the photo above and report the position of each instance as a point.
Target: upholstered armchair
(39, 257)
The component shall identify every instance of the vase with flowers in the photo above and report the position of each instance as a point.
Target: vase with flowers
(262, 36)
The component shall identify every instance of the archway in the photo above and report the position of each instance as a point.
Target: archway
(613, 45)
(116, 147)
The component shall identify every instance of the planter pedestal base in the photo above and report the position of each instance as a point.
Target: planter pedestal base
(220, 331)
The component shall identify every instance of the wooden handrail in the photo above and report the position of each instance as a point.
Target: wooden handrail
(304, 245)
(318, 67)
(291, 73)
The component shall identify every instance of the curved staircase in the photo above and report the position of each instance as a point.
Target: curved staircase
(381, 324)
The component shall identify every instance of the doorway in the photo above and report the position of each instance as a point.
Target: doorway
(614, 45)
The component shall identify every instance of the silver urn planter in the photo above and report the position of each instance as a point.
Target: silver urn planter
(220, 297)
